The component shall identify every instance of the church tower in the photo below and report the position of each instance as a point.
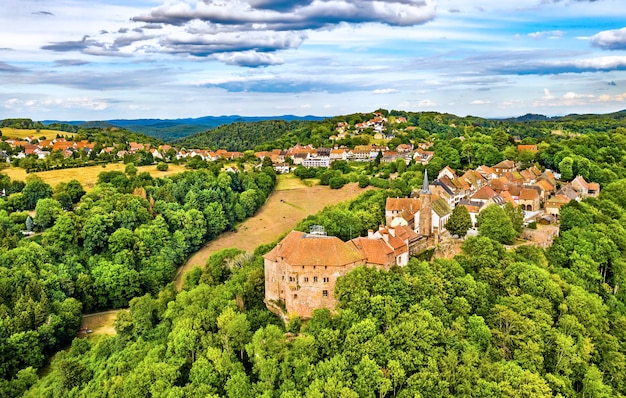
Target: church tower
(426, 217)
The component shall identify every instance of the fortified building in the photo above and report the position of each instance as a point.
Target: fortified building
(301, 271)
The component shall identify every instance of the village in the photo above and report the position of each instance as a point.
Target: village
(301, 271)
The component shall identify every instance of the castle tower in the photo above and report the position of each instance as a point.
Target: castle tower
(426, 217)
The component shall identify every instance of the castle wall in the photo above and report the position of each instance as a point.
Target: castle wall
(302, 289)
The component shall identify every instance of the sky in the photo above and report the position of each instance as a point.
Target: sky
(114, 59)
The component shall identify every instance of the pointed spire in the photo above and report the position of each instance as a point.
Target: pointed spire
(425, 188)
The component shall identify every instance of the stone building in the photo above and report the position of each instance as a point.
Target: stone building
(301, 271)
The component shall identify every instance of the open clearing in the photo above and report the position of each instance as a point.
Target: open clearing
(287, 205)
(99, 323)
(10, 132)
(87, 176)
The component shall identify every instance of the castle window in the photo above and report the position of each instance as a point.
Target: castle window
(325, 293)
(303, 267)
(306, 279)
(326, 267)
(292, 279)
(283, 277)
(326, 280)
(315, 279)
(295, 296)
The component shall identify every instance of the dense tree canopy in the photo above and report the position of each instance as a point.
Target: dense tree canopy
(109, 247)
(487, 323)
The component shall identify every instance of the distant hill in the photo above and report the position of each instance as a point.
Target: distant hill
(530, 117)
(172, 129)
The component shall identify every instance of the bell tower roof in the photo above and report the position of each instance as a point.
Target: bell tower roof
(425, 189)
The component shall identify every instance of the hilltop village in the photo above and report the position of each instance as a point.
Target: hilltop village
(301, 271)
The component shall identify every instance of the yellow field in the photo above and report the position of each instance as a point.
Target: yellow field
(285, 182)
(9, 132)
(87, 176)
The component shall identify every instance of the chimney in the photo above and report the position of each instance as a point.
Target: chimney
(386, 237)
(370, 233)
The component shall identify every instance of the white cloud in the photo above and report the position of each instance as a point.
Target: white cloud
(610, 39)
(612, 98)
(67, 103)
(551, 34)
(546, 95)
(572, 96)
(249, 59)
(481, 102)
(385, 91)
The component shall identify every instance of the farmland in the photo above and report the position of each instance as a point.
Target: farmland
(9, 132)
(87, 176)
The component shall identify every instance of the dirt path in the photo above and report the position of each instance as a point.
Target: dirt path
(282, 211)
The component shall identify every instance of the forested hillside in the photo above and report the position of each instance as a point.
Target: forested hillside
(98, 250)
(240, 136)
(168, 129)
(522, 323)
(265, 135)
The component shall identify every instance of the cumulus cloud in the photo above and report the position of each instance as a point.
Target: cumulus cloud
(610, 39)
(568, 99)
(306, 15)
(198, 45)
(250, 59)
(247, 29)
(481, 102)
(612, 98)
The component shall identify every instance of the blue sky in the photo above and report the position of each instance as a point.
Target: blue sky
(105, 59)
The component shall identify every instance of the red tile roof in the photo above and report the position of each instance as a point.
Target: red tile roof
(375, 250)
(402, 204)
(299, 248)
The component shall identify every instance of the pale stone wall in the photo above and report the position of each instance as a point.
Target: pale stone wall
(302, 288)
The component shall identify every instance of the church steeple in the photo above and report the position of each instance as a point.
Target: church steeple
(425, 189)
(425, 214)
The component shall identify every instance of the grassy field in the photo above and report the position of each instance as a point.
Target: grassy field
(289, 204)
(87, 175)
(99, 323)
(286, 182)
(10, 132)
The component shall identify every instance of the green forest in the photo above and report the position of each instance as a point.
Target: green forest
(490, 322)
(99, 250)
